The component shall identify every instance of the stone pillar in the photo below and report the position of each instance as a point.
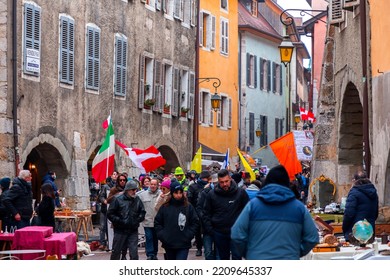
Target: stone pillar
(77, 182)
(7, 157)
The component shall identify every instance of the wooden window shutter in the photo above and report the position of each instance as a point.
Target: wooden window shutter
(273, 77)
(229, 124)
(248, 69)
(32, 34)
(67, 50)
(261, 73)
(141, 88)
(219, 112)
(251, 128)
(120, 65)
(213, 33)
(281, 79)
(157, 87)
(193, 12)
(191, 91)
(175, 94)
(162, 88)
(93, 58)
(211, 111)
(255, 71)
(201, 119)
(336, 13)
(201, 35)
(268, 75)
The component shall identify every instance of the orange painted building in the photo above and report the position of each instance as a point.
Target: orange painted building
(218, 58)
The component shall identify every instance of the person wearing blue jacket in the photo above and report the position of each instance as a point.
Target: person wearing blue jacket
(275, 225)
(362, 203)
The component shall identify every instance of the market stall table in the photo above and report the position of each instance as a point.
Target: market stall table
(61, 244)
(31, 237)
(6, 240)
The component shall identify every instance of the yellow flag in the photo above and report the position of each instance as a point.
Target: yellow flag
(246, 166)
(196, 163)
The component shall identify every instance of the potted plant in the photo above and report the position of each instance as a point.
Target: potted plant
(149, 103)
(183, 111)
(167, 108)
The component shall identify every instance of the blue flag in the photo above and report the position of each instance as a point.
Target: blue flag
(225, 163)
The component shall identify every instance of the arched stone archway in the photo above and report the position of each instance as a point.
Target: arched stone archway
(170, 157)
(350, 140)
(41, 159)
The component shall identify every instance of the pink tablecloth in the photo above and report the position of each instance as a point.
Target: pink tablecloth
(61, 244)
(30, 238)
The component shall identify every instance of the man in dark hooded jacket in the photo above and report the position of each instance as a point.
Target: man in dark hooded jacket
(50, 178)
(275, 225)
(362, 203)
(18, 200)
(222, 206)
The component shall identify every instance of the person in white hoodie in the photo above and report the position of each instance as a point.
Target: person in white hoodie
(149, 198)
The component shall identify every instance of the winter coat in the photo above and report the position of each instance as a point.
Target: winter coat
(222, 208)
(126, 213)
(49, 179)
(149, 200)
(18, 199)
(176, 224)
(45, 212)
(103, 196)
(194, 190)
(274, 226)
(362, 203)
(114, 191)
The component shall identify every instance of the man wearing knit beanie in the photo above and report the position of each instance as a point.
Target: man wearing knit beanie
(275, 225)
(4, 183)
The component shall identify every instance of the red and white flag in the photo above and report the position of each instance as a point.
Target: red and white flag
(146, 160)
(106, 123)
(310, 117)
(304, 114)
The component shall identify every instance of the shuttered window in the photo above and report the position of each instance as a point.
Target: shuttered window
(32, 39)
(336, 13)
(66, 50)
(264, 130)
(120, 65)
(224, 37)
(93, 58)
(251, 128)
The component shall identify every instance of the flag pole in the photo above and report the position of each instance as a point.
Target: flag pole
(108, 150)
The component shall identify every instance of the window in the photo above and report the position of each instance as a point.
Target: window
(251, 80)
(120, 65)
(224, 4)
(224, 40)
(349, 4)
(93, 57)
(264, 130)
(224, 114)
(276, 78)
(205, 112)
(168, 86)
(265, 74)
(157, 88)
(183, 100)
(151, 4)
(186, 13)
(336, 13)
(176, 92)
(191, 95)
(207, 30)
(178, 9)
(168, 8)
(146, 90)
(251, 128)
(66, 50)
(278, 128)
(254, 8)
(32, 39)
(193, 12)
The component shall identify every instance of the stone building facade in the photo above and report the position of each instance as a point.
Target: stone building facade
(79, 61)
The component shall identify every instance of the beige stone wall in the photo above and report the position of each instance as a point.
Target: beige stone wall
(69, 117)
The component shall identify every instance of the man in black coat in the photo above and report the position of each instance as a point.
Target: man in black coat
(126, 212)
(18, 200)
(362, 203)
(222, 207)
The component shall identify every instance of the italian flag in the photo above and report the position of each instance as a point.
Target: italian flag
(103, 163)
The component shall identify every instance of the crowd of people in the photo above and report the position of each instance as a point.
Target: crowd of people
(225, 213)
(209, 210)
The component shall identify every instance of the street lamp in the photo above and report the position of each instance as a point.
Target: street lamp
(258, 132)
(286, 50)
(215, 99)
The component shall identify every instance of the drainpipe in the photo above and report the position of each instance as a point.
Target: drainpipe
(14, 85)
(196, 105)
(239, 89)
(366, 131)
